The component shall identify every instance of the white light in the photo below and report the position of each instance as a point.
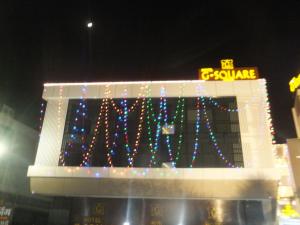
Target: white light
(126, 223)
(89, 24)
(3, 148)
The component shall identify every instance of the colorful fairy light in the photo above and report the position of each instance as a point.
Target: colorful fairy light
(269, 117)
(133, 107)
(41, 118)
(139, 131)
(167, 135)
(214, 103)
(154, 121)
(59, 106)
(197, 130)
(78, 128)
(107, 133)
(212, 136)
(149, 130)
(116, 136)
(87, 155)
(153, 160)
(180, 138)
(125, 131)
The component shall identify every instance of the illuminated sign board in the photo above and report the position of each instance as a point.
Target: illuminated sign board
(294, 83)
(228, 72)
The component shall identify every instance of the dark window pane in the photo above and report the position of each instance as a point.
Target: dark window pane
(163, 129)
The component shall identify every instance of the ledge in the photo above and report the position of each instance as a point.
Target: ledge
(221, 183)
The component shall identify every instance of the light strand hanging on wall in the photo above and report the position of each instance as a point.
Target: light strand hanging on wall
(107, 133)
(59, 105)
(78, 132)
(133, 107)
(150, 115)
(87, 155)
(165, 120)
(116, 136)
(76, 128)
(153, 160)
(180, 107)
(125, 131)
(152, 118)
(197, 130)
(212, 136)
(269, 117)
(139, 131)
(168, 141)
(214, 103)
(41, 117)
(180, 138)
(149, 130)
(81, 131)
(157, 132)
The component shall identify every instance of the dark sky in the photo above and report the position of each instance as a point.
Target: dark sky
(47, 41)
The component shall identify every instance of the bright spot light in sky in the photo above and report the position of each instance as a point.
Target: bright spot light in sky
(3, 148)
(89, 24)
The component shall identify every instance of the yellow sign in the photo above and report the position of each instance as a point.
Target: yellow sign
(228, 72)
(289, 211)
(294, 83)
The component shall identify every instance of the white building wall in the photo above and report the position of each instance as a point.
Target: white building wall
(251, 100)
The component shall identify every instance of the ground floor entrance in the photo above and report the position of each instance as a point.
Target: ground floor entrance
(111, 211)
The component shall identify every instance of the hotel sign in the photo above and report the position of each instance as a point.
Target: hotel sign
(227, 72)
(294, 83)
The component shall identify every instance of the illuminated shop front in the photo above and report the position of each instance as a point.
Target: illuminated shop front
(149, 150)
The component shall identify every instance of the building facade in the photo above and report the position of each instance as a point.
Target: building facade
(18, 144)
(160, 152)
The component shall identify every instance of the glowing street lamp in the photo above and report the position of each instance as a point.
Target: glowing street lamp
(89, 24)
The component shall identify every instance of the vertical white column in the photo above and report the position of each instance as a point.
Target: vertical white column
(52, 133)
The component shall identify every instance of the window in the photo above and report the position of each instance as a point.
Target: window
(151, 131)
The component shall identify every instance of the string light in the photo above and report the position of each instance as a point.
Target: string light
(41, 118)
(197, 128)
(163, 117)
(87, 155)
(212, 137)
(152, 118)
(180, 138)
(167, 135)
(269, 117)
(149, 129)
(133, 106)
(106, 127)
(153, 160)
(59, 105)
(139, 131)
(116, 136)
(125, 131)
(83, 116)
(221, 107)
(78, 126)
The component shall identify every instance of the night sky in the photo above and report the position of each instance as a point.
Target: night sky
(47, 41)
